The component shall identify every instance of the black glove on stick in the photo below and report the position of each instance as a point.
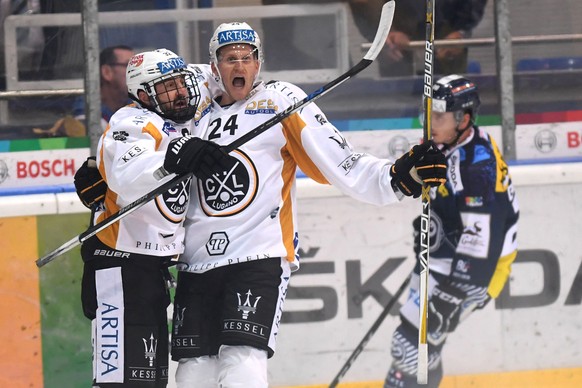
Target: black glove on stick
(192, 154)
(422, 164)
(89, 184)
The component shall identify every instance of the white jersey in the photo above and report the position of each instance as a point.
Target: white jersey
(249, 212)
(130, 150)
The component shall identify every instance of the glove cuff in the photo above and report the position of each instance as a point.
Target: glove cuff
(405, 183)
(415, 176)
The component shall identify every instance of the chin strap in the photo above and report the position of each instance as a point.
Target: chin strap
(459, 131)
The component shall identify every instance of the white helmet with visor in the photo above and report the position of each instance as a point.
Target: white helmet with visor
(234, 33)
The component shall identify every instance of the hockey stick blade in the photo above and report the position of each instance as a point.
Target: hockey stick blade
(110, 220)
(369, 334)
(379, 40)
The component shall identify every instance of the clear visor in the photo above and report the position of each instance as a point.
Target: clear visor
(437, 106)
(239, 53)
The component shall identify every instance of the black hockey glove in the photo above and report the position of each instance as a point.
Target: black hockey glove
(192, 154)
(432, 167)
(444, 309)
(423, 163)
(89, 184)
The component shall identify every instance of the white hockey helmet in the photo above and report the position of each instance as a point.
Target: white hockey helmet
(234, 33)
(146, 69)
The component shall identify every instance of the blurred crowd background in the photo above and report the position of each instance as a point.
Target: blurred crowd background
(309, 45)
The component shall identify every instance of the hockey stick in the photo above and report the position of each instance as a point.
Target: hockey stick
(422, 363)
(93, 230)
(369, 335)
(377, 44)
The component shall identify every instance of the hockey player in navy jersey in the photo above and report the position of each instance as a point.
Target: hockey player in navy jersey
(241, 226)
(472, 233)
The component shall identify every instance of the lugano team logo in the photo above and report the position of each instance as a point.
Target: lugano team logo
(230, 191)
(174, 202)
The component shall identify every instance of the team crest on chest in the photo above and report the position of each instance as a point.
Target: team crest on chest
(230, 191)
(174, 202)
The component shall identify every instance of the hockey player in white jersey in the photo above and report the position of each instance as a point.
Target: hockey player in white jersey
(125, 266)
(241, 232)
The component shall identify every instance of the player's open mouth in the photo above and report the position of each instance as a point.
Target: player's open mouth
(238, 82)
(180, 103)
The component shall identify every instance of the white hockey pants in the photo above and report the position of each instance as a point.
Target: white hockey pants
(235, 367)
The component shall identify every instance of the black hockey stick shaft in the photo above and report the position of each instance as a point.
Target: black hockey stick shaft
(422, 362)
(377, 44)
(93, 230)
(369, 334)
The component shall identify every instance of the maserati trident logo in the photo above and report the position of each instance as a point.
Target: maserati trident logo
(150, 348)
(179, 318)
(342, 142)
(248, 306)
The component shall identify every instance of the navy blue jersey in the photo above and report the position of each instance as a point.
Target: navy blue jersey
(475, 216)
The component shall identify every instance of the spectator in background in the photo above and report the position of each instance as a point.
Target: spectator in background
(63, 53)
(295, 56)
(29, 41)
(112, 65)
(454, 19)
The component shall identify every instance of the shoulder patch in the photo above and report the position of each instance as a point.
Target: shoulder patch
(481, 153)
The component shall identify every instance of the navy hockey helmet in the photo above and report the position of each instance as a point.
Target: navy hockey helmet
(455, 93)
